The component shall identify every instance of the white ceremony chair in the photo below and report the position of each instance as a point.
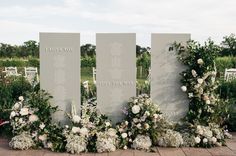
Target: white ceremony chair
(94, 75)
(31, 74)
(230, 74)
(11, 71)
(86, 85)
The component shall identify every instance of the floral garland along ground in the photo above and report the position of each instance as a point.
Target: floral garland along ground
(143, 127)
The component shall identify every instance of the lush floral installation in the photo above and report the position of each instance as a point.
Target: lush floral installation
(91, 132)
(31, 120)
(144, 125)
(207, 112)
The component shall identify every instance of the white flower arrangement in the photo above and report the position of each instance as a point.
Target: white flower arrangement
(76, 144)
(170, 139)
(142, 142)
(22, 142)
(208, 136)
(106, 141)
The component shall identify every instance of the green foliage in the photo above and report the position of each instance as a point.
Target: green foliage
(199, 79)
(12, 63)
(88, 50)
(225, 62)
(41, 101)
(33, 62)
(57, 138)
(227, 91)
(229, 46)
(88, 61)
(10, 90)
(29, 48)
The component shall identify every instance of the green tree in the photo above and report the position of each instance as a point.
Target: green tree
(229, 46)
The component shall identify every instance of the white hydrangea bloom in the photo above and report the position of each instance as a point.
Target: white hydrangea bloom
(22, 142)
(75, 144)
(24, 111)
(142, 142)
(171, 139)
(76, 118)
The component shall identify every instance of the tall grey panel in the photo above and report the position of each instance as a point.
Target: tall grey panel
(165, 78)
(116, 72)
(60, 69)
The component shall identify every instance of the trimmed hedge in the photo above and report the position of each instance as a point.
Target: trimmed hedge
(225, 62)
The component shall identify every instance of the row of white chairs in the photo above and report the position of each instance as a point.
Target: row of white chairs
(30, 73)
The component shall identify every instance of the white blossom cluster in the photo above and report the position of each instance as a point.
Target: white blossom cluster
(106, 141)
(22, 142)
(209, 135)
(170, 139)
(75, 144)
(22, 116)
(142, 142)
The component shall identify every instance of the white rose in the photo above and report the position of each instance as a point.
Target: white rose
(124, 135)
(200, 81)
(194, 73)
(21, 120)
(147, 113)
(75, 129)
(200, 61)
(135, 120)
(16, 106)
(214, 140)
(112, 132)
(121, 129)
(125, 147)
(197, 140)
(135, 109)
(33, 118)
(76, 119)
(205, 140)
(13, 114)
(43, 137)
(208, 102)
(107, 124)
(84, 131)
(184, 88)
(126, 122)
(155, 116)
(139, 125)
(24, 111)
(41, 126)
(21, 98)
(146, 126)
(66, 126)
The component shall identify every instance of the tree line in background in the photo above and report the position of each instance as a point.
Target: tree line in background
(31, 49)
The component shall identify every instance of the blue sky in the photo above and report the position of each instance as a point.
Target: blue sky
(22, 20)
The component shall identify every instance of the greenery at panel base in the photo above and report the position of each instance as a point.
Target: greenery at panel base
(227, 91)
(143, 127)
(10, 89)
